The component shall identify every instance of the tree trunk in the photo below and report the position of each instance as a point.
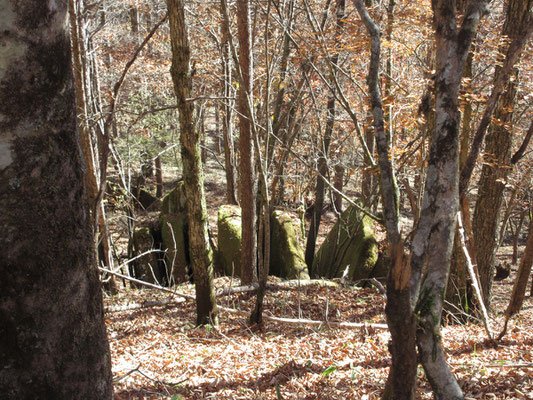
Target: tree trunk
(52, 335)
(432, 244)
(338, 182)
(199, 247)
(227, 110)
(459, 290)
(158, 178)
(497, 159)
(324, 151)
(247, 188)
(520, 284)
(399, 312)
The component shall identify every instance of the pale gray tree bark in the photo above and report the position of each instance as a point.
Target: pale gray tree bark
(53, 340)
(432, 244)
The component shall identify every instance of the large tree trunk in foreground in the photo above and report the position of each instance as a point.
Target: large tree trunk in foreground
(199, 247)
(247, 178)
(53, 341)
(432, 244)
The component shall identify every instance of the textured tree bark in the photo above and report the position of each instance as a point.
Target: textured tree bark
(158, 177)
(432, 244)
(199, 247)
(338, 182)
(459, 289)
(101, 237)
(247, 186)
(52, 335)
(498, 157)
(399, 312)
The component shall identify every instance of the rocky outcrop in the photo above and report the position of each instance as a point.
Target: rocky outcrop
(286, 254)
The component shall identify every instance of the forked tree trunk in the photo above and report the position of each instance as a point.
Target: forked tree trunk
(432, 244)
(53, 341)
(199, 248)
(400, 316)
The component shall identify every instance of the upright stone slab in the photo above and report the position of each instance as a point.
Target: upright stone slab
(287, 258)
(350, 244)
(173, 223)
(229, 240)
(146, 268)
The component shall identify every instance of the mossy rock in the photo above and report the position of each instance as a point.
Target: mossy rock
(146, 268)
(286, 255)
(173, 237)
(173, 224)
(175, 201)
(350, 244)
(229, 239)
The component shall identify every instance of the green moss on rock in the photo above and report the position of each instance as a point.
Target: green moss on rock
(229, 239)
(286, 255)
(350, 244)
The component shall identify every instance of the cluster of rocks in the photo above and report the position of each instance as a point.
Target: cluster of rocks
(350, 250)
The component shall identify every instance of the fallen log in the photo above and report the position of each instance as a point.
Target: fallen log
(290, 321)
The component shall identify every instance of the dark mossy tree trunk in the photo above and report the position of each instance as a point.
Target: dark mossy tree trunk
(199, 247)
(497, 157)
(53, 341)
(247, 184)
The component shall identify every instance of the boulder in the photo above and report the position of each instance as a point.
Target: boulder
(287, 258)
(350, 245)
(173, 224)
(286, 255)
(229, 240)
(147, 267)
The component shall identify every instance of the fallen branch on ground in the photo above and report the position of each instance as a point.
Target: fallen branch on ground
(273, 286)
(291, 321)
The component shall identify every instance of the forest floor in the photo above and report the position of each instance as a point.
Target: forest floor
(158, 353)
